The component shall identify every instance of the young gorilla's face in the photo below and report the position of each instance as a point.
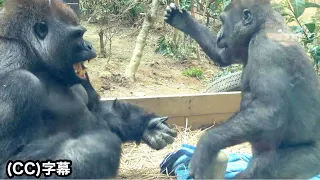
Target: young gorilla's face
(237, 24)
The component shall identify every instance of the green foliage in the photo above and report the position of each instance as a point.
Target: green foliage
(227, 70)
(1, 3)
(185, 4)
(307, 31)
(297, 7)
(136, 10)
(193, 72)
(181, 51)
(315, 53)
(104, 10)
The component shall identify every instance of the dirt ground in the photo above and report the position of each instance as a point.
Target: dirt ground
(157, 75)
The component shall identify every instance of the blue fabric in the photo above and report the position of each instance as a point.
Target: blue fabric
(176, 163)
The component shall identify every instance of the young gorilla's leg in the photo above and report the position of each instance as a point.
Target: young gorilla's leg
(93, 155)
(285, 163)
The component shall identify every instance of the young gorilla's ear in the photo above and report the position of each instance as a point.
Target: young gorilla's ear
(247, 17)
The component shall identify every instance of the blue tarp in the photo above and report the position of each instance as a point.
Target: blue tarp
(177, 163)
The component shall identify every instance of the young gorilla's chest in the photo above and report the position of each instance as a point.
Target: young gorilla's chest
(65, 109)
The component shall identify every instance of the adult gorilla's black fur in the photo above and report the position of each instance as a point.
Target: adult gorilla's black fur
(279, 112)
(47, 112)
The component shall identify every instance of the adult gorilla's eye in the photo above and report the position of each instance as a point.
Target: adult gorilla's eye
(78, 34)
(41, 29)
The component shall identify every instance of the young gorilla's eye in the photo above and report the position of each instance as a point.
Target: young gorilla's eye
(41, 29)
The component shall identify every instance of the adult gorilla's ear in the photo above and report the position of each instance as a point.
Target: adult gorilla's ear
(41, 30)
(247, 17)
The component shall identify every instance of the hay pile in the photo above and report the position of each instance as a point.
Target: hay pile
(142, 162)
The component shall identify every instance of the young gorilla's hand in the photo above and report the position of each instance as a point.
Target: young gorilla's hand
(158, 134)
(176, 18)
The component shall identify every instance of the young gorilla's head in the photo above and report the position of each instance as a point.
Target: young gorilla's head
(241, 19)
(50, 30)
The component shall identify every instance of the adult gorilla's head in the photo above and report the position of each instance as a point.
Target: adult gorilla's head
(50, 33)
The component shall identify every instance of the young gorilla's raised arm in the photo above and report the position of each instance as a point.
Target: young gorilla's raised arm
(183, 21)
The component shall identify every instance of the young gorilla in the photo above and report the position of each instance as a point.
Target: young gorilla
(47, 112)
(279, 112)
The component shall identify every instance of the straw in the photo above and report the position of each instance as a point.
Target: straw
(142, 162)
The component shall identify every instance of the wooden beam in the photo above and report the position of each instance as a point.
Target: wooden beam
(199, 121)
(200, 109)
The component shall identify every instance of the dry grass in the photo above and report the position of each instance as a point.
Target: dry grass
(142, 162)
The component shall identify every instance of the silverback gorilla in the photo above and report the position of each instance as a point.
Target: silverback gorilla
(279, 111)
(50, 112)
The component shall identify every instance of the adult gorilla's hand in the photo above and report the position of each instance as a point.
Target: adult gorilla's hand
(158, 134)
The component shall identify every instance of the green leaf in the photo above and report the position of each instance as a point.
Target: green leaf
(298, 7)
(286, 13)
(296, 29)
(311, 27)
(312, 5)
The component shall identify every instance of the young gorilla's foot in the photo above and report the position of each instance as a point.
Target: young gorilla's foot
(176, 18)
(217, 169)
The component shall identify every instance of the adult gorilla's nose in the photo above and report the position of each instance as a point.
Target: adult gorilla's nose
(85, 51)
(87, 46)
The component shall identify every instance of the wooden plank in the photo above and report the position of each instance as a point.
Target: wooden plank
(202, 110)
(201, 121)
(188, 105)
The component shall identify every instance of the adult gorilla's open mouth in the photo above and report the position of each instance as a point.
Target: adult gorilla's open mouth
(80, 70)
(83, 52)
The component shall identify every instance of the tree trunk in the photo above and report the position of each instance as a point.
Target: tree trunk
(103, 52)
(205, 13)
(141, 41)
(175, 31)
(192, 14)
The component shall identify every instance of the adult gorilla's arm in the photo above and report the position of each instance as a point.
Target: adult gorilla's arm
(184, 22)
(130, 122)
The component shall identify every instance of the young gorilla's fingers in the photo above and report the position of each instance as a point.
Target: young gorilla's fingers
(173, 6)
(168, 10)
